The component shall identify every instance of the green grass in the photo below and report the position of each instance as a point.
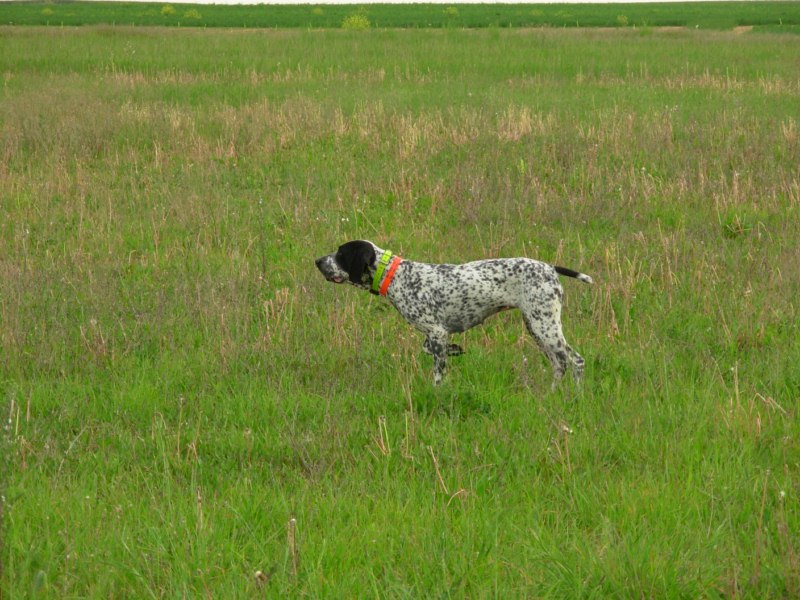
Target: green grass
(178, 381)
(783, 16)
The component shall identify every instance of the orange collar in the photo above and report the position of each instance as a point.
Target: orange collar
(396, 260)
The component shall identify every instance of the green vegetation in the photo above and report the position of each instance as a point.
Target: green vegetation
(177, 382)
(784, 16)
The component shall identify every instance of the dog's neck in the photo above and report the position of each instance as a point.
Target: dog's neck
(384, 272)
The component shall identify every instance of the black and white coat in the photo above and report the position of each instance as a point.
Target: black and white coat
(441, 299)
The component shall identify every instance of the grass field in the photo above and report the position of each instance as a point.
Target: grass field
(777, 16)
(187, 403)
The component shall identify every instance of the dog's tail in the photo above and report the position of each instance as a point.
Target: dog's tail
(570, 273)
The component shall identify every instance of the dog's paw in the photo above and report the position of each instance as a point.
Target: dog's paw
(454, 350)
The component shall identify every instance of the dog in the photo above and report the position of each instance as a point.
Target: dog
(441, 299)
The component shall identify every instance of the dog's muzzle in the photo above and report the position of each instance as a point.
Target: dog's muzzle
(324, 264)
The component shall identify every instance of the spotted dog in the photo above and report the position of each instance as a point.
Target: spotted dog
(440, 299)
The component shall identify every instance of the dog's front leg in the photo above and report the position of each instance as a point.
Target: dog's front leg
(436, 344)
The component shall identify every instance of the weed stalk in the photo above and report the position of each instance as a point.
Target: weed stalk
(438, 473)
(291, 529)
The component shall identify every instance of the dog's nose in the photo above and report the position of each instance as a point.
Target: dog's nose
(318, 262)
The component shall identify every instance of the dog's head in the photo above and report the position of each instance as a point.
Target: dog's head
(354, 262)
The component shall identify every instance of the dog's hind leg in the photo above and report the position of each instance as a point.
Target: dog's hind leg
(550, 339)
(577, 362)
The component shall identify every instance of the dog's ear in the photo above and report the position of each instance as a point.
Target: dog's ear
(356, 258)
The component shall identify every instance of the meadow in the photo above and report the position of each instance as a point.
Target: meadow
(781, 15)
(190, 410)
